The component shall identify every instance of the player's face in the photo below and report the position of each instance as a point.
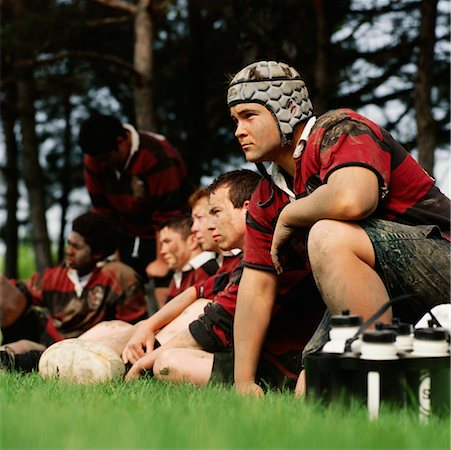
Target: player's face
(200, 215)
(116, 157)
(78, 254)
(257, 132)
(174, 249)
(227, 223)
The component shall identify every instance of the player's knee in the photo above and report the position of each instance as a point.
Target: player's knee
(323, 239)
(165, 366)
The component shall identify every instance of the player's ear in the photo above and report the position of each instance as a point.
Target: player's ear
(246, 204)
(192, 241)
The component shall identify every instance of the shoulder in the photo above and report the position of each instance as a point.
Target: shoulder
(266, 204)
(119, 270)
(156, 144)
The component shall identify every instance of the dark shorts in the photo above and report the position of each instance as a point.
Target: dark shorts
(411, 260)
(206, 329)
(270, 374)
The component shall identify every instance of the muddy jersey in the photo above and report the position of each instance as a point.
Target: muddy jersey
(111, 292)
(344, 138)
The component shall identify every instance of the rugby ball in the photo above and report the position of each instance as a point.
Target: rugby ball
(81, 361)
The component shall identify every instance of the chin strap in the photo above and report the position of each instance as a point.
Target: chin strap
(264, 173)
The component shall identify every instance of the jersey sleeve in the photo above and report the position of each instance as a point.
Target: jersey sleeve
(354, 143)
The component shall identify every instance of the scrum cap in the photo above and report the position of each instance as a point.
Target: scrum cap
(278, 87)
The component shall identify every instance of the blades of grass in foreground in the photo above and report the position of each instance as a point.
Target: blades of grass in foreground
(150, 414)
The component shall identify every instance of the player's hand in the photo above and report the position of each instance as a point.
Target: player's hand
(300, 388)
(141, 343)
(282, 234)
(144, 363)
(135, 372)
(157, 269)
(249, 388)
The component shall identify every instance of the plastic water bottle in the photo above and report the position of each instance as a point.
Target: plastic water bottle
(430, 342)
(404, 335)
(379, 345)
(343, 327)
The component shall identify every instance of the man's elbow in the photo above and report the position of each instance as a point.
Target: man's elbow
(354, 205)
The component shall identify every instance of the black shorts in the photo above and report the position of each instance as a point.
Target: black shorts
(411, 260)
(271, 371)
(203, 329)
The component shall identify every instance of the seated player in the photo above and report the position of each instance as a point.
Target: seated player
(65, 301)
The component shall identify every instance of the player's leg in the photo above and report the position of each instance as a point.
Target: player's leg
(182, 321)
(12, 302)
(114, 333)
(184, 365)
(343, 264)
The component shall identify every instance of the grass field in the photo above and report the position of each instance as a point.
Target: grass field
(39, 414)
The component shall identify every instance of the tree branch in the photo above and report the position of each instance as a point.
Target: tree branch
(119, 5)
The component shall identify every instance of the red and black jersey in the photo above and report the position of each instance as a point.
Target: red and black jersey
(344, 138)
(151, 189)
(193, 277)
(298, 307)
(217, 283)
(111, 292)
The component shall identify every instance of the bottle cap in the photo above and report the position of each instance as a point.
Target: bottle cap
(431, 334)
(345, 320)
(379, 336)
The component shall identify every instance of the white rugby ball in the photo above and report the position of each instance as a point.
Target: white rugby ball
(81, 361)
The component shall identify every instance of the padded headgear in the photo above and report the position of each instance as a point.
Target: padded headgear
(278, 87)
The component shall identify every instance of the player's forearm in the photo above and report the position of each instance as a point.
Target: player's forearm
(253, 314)
(171, 309)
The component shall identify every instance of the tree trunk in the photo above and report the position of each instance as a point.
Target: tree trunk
(66, 178)
(33, 175)
(196, 84)
(322, 57)
(11, 175)
(426, 125)
(143, 63)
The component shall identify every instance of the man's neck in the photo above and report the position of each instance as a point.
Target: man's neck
(286, 160)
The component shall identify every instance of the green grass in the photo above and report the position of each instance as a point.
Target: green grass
(150, 414)
(26, 261)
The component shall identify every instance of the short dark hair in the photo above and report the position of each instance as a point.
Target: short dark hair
(241, 183)
(98, 134)
(182, 224)
(99, 232)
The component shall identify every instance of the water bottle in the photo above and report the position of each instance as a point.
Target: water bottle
(379, 345)
(404, 335)
(343, 327)
(430, 342)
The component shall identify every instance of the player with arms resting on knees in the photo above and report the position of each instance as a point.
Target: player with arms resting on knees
(369, 215)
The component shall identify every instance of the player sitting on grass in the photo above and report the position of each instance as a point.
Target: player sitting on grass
(65, 301)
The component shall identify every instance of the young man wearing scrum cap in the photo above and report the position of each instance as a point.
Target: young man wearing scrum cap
(367, 213)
